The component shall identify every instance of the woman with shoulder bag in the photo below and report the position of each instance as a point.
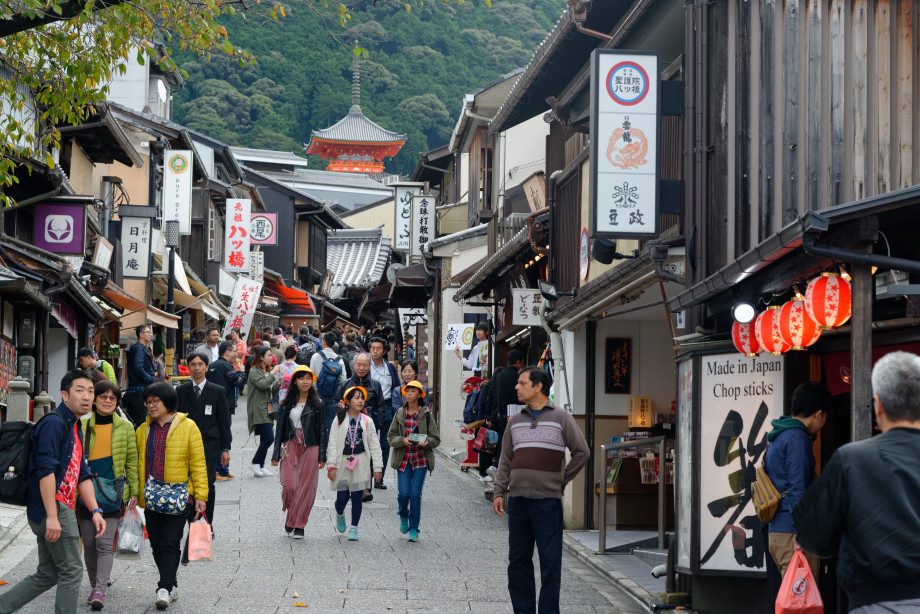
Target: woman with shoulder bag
(413, 436)
(111, 453)
(300, 446)
(260, 386)
(172, 468)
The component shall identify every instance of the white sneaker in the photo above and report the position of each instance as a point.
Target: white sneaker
(266, 473)
(162, 601)
(174, 593)
(485, 478)
(256, 470)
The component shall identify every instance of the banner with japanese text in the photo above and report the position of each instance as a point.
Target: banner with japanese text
(237, 229)
(177, 188)
(246, 294)
(135, 247)
(422, 223)
(525, 306)
(403, 216)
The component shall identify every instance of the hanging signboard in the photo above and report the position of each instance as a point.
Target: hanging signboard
(458, 335)
(60, 228)
(525, 306)
(263, 228)
(257, 266)
(422, 223)
(625, 119)
(584, 255)
(243, 305)
(738, 399)
(177, 188)
(402, 195)
(135, 247)
(236, 248)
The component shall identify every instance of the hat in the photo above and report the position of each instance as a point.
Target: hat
(484, 325)
(414, 384)
(361, 388)
(302, 369)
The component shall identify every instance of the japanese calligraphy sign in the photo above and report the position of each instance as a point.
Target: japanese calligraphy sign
(525, 306)
(257, 266)
(403, 229)
(263, 228)
(624, 143)
(60, 228)
(618, 366)
(135, 247)
(739, 396)
(423, 220)
(177, 188)
(458, 334)
(237, 228)
(243, 305)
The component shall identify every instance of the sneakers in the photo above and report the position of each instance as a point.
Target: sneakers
(222, 478)
(413, 535)
(298, 534)
(288, 529)
(174, 593)
(162, 601)
(266, 473)
(403, 525)
(97, 600)
(485, 478)
(380, 485)
(353, 534)
(256, 470)
(340, 523)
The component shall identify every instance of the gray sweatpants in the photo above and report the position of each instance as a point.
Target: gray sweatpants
(905, 606)
(58, 564)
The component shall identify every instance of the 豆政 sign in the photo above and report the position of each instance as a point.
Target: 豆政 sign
(625, 118)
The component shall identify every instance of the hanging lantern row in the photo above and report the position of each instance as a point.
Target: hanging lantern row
(797, 324)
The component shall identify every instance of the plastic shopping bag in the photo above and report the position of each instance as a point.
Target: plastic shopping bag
(798, 594)
(199, 540)
(480, 440)
(130, 542)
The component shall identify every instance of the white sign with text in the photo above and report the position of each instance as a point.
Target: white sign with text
(177, 188)
(458, 335)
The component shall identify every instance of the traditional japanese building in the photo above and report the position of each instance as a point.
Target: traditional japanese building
(355, 144)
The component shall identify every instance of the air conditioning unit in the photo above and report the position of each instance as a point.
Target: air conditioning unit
(514, 222)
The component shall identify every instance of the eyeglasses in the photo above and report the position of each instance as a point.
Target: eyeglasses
(151, 402)
(106, 397)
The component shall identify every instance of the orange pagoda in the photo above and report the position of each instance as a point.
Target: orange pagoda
(355, 144)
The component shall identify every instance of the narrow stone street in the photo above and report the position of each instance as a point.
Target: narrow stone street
(458, 565)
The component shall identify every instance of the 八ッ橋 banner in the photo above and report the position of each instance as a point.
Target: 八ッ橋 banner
(625, 119)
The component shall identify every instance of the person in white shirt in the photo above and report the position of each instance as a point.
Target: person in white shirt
(479, 355)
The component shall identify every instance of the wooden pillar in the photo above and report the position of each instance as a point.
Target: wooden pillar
(861, 353)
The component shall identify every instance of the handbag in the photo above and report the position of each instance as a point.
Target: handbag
(109, 493)
(765, 496)
(163, 497)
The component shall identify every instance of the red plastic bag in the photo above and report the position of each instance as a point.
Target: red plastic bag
(480, 440)
(798, 594)
(199, 540)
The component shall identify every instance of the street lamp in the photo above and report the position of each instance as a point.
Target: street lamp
(171, 234)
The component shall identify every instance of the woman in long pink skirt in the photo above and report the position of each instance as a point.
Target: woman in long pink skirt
(300, 447)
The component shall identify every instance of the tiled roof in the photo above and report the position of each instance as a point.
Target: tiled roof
(348, 180)
(358, 258)
(247, 153)
(356, 127)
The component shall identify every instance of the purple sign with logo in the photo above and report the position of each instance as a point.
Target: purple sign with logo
(60, 228)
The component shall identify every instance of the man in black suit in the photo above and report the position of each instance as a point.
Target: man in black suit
(206, 405)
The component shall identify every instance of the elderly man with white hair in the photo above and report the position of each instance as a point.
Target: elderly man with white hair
(865, 507)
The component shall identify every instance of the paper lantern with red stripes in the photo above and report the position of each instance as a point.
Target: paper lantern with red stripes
(766, 327)
(745, 339)
(796, 326)
(827, 300)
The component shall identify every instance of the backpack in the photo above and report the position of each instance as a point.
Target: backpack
(472, 409)
(327, 380)
(765, 496)
(15, 448)
(305, 353)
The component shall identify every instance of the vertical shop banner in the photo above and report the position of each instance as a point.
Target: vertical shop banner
(177, 188)
(135, 247)
(525, 306)
(625, 119)
(422, 223)
(257, 266)
(683, 464)
(236, 245)
(246, 294)
(739, 397)
(263, 228)
(403, 216)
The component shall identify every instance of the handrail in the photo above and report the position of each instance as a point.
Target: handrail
(602, 495)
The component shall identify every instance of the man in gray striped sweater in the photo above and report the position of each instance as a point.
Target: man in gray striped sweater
(532, 473)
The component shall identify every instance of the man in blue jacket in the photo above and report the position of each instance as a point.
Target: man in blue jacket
(790, 463)
(140, 373)
(57, 471)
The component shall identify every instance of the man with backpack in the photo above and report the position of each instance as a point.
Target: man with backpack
(86, 357)
(56, 472)
(330, 373)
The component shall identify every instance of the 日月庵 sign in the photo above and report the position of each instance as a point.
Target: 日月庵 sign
(625, 118)
(135, 247)
(236, 244)
(177, 188)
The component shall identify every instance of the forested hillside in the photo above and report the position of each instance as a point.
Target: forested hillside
(421, 64)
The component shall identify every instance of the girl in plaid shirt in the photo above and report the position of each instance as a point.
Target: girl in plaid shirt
(413, 436)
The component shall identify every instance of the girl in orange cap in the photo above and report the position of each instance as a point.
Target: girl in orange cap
(413, 436)
(351, 456)
(301, 447)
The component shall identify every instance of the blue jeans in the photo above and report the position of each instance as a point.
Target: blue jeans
(266, 439)
(341, 500)
(409, 496)
(534, 521)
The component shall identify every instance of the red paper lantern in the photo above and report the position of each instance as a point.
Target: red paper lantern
(766, 327)
(795, 325)
(745, 338)
(827, 300)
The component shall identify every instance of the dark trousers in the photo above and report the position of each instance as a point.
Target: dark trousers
(165, 533)
(384, 442)
(266, 439)
(534, 521)
(212, 459)
(133, 404)
(341, 500)
(331, 408)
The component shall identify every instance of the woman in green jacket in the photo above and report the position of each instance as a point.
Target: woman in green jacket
(111, 453)
(260, 386)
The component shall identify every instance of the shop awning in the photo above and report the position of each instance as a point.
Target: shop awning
(412, 287)
(189, 301)
(118, 297)
(298, 299)
(158, 316)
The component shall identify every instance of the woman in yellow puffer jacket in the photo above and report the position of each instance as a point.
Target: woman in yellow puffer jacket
(169, 449)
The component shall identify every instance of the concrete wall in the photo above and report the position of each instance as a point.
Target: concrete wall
(130, 89)
(81, 172)
(374, 217)
(525, 150)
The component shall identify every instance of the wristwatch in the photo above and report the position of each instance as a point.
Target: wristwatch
(98, 509)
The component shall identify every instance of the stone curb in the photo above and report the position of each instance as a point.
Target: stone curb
(13, 523)
(623, 581)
